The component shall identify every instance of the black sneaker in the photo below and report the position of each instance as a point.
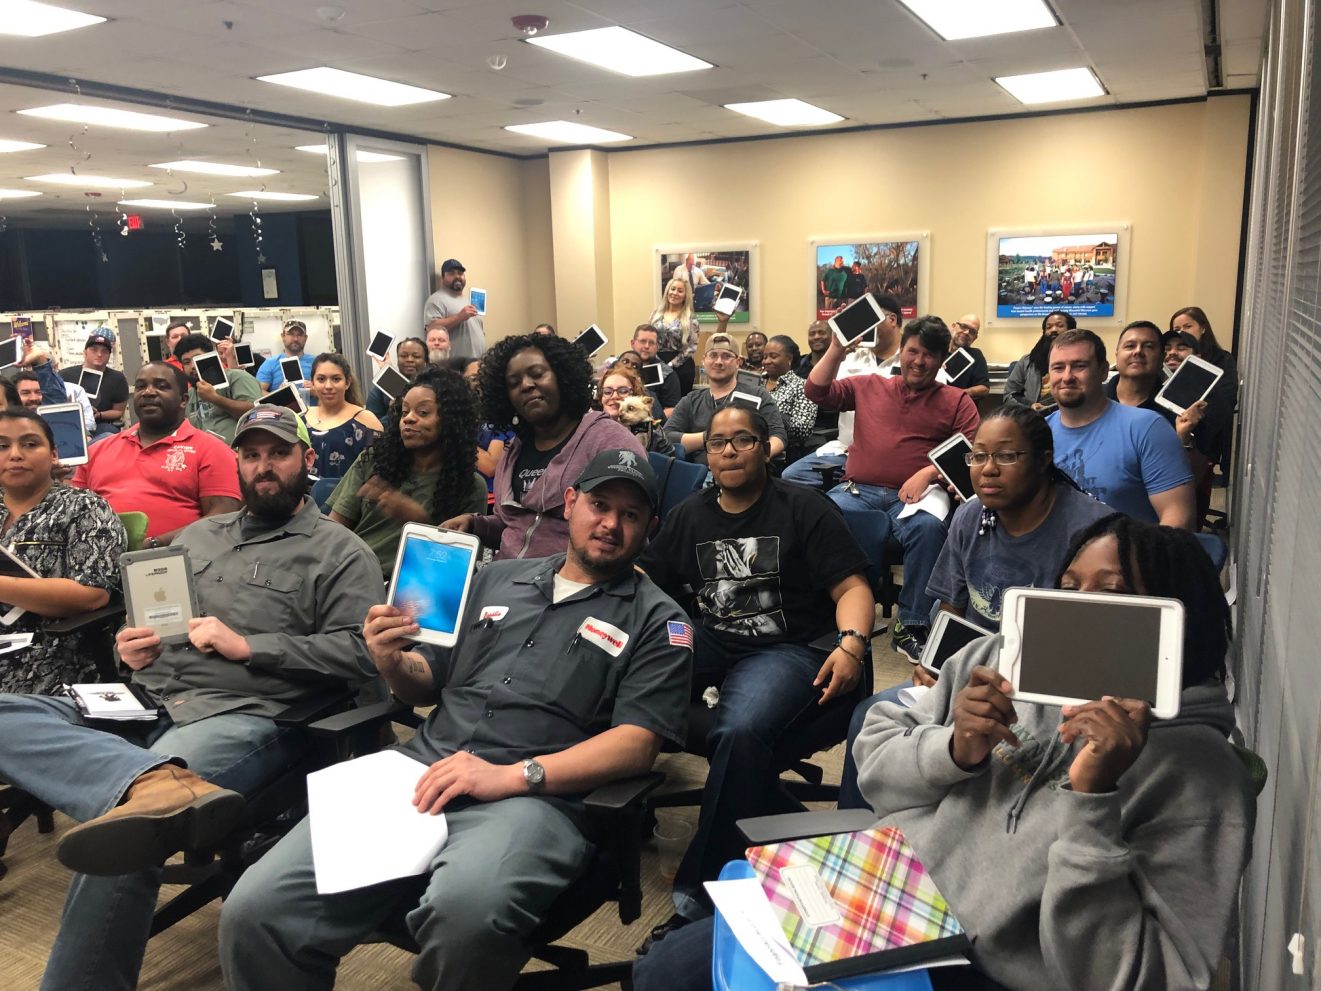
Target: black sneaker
(909, 639)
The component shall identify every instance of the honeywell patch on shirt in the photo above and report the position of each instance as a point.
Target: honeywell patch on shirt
(609, 638)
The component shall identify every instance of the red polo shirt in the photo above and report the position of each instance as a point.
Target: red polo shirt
(166, 480)
(895, 427)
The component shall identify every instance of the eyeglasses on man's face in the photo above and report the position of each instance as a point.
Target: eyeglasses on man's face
(742, 443)
(977, 459)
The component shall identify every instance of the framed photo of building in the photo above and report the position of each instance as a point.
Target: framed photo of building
(1082, 270)
(847, 268)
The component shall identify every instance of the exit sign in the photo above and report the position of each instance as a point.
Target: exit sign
(134, 222)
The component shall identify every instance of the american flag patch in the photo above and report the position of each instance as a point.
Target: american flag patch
(681, 634)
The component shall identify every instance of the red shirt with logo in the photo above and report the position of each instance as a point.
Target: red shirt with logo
(166, 480)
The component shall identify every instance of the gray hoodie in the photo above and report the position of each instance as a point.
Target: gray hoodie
(1062, 890)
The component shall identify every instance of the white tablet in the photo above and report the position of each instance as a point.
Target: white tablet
(860, 316)
(12, 566)
(243, 355)
(287, 396)
(748, 380)
(66, 423)
(727, 299)
(477, 297)
(948, 459)
(957, 365)
(949, 635)
(222, 329)
(1191, 382)
(1067, 648)
(292, 369)
(392, 382)
(209, 369)
(11, 351)
(591, 340)
(158, 591)
(156, 346)
(379, 348)
(653, 374)
(746, 398)
(433, 571)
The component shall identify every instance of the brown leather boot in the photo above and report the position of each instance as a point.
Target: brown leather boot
(166, 810)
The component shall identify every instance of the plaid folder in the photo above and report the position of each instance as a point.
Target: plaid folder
(871, 905)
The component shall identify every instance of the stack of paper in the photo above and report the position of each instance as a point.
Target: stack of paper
(117, 702)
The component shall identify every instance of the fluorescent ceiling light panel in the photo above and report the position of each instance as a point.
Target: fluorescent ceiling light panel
(87, 181)
(955, 20)
(1053, 87)
(620, 50)
(166, 204)
(786, 113)
(365, 157)
(569, 132)
(8, 145)
(216, 168)
(18, 194)
(128, 120)
(355, 86)
(29, 19)
(257, 194)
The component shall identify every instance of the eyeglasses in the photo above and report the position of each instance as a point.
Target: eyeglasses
(722, 356)
(742, 443)
(623, 390)
(1001, 458)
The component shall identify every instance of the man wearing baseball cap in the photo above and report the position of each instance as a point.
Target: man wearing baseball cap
(568, 673)
(110, 397)
(448, 307)
(281, 592)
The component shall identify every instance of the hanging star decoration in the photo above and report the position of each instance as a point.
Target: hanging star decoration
(93, 222)
(122, 218)
(180, 238)
(215, 242)
(255, 213)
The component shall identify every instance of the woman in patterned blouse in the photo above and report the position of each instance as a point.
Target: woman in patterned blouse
(340, 427)
(70, 538)
(786, 388)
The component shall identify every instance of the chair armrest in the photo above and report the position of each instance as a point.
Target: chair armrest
(70, 624)
(615, 796)
(304, 713)
(798, 825)
(351, 719)
(825, 643)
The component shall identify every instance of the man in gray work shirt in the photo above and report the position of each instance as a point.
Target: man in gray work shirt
(449, 308)
(281, 593)
(568, 673)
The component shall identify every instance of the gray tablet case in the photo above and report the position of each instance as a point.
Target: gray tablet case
(154, 597)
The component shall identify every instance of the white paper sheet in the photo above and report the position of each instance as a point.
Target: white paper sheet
(746, 909)
(364, 827)
(935, 500)
(909, 697)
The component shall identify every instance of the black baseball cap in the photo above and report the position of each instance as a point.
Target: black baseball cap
(1170, 336)
(450, 264)
(620, 465)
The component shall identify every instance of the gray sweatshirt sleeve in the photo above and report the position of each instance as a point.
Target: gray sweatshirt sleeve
(1016, 384)
(1162, 896)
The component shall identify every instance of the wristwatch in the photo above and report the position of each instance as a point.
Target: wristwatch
(535, 776)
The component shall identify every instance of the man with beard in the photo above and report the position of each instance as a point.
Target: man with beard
(164, 467)
(976, 380)
(455, 312)
(568, 673)
(1028, 382)
(439, 349)
(281, 591)
(208, 408)
(294, 338)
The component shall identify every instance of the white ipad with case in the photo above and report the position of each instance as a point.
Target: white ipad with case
(210, 370)
(852, 322)
(653, 374)
(156, 345)
(292, 369)
(591, 340)
(391, 381)
(949, 635)
(477, 297)
(433, 573)
(1191, 382)
(287, 396)
(222, 329)
(948, 459)
(1067, 648)
(11, 351)
(957, 365)
(158, 591)
(243, 355)
(66, 423)
(745, 398)
(379, 348)
(89, 379)
(727, 299)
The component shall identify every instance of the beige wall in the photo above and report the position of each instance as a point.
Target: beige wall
(493, 214)
(575, 236)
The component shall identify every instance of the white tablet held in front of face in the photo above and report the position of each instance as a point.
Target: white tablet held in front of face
(210, 370)
(1191, 382)
(1068, 648)
(860, 316)
(433, 572)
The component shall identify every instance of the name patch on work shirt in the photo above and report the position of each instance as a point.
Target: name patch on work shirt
(609, 638)
(494, 613)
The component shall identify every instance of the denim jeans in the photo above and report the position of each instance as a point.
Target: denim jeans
(873, 516)
(764, 688)
(803, 471)
(850, 797)
(48, 751)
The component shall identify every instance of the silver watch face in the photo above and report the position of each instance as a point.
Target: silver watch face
(533, 773)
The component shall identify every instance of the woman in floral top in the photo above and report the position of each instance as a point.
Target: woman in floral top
(339, 426)
(677, 331)
(70, 537)
(786, 388)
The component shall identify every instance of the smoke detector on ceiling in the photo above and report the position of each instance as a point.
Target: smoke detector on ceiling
(530, 24)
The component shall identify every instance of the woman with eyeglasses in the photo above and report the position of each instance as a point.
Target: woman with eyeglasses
(621, 383)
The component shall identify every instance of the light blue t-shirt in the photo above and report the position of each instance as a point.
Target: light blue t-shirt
(973, 570)
(271, 376)
(1122, 458)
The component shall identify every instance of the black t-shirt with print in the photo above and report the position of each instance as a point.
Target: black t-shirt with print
(531, 465)
(765, 573)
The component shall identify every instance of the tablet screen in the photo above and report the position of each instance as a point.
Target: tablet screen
(222, 329)
(856, 319)
(653, 374)
(730, 293)
(955, 469)
(591, 340)
(380, 345)
(155, 347)
(286, 396)
(70, 435)
(10, 348)
(90, 380)
(10, 566)
(953, 638)
(292, 369)
(957, 363)
(430, 582)
(243, 355)
(392, 382)
(208, 369)
(477, 297)
(1189, 383)
(1086, 650)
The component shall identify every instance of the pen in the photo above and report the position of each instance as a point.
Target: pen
(254, 570)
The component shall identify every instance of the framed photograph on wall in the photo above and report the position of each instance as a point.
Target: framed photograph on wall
(1081, 269)
(707, 268)
(847, 268)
